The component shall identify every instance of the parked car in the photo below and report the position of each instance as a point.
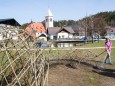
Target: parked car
(44, 44)
(41, 44)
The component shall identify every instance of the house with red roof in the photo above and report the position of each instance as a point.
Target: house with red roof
(37, 29)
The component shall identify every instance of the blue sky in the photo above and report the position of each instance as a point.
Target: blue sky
(26, 10)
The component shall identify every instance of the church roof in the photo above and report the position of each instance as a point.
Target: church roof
(49, 13)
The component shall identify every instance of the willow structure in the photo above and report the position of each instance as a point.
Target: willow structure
(21, 63)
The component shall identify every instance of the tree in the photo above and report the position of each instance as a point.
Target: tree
(24, 26)
(64, 23)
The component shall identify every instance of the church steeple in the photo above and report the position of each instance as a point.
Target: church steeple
(49, 19)
(49, 12)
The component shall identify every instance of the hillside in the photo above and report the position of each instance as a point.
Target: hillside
(98, 22)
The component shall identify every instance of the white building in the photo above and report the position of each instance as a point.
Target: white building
(65, 33)
(111, 33)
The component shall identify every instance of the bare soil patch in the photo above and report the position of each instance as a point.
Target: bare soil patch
(83, 75)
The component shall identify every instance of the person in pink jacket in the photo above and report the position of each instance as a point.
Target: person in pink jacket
(108, 45)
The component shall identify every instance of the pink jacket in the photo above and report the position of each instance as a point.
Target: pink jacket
(108, 45)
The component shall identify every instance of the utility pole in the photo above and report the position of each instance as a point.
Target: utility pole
(85, 24)
(86, 29)
(92, 27)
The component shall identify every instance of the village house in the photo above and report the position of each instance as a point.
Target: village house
(66, 33)
(37, 30)
(111, 33)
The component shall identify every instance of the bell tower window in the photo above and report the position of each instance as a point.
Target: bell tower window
(51, 19)
(46, 20)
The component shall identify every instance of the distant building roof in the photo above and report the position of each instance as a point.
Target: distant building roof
(67, 28)
(70, 29)
(35, 27)
(53, 30)
(10, 21)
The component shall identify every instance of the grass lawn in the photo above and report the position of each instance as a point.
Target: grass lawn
(99, 44)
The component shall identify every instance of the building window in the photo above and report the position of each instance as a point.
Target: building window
(51, 19)
(46, 20)
(59, 36)
(55, 37)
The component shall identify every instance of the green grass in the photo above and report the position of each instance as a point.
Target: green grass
(59, 53)
(98, 44)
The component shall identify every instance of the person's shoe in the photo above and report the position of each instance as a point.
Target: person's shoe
(111, 63)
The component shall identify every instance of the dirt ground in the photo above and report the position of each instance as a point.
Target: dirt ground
(83, 75)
